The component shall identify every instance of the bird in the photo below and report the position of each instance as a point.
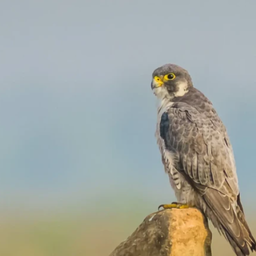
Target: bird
(198, 157)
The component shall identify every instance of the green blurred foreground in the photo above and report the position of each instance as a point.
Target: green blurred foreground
(93, 234)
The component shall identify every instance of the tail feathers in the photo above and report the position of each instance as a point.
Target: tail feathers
(245, 230)
(242, 248)
(239, 250)
(230, 220)
(242, 244)
(237, 247)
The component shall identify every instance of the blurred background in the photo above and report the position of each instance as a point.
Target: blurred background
(79, 164)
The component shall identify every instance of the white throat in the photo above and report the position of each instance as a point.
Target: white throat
(165, 98)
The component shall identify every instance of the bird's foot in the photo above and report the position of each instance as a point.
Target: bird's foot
(173, 205)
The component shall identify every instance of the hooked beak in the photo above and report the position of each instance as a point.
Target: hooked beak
(157, 82)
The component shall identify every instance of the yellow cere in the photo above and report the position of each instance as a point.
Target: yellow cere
(158, 81)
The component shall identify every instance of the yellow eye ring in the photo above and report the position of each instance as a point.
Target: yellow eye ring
(170, 76)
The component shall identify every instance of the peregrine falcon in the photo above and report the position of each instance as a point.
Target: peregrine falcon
(197, 155)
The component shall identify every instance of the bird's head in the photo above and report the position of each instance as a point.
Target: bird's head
(170, 81)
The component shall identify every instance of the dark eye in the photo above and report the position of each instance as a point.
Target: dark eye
(171, 76)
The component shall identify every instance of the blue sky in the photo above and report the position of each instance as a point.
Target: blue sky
(77, 113)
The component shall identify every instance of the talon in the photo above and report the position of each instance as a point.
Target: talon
(160, 206)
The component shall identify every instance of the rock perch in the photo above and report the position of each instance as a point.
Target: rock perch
(170, 232)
